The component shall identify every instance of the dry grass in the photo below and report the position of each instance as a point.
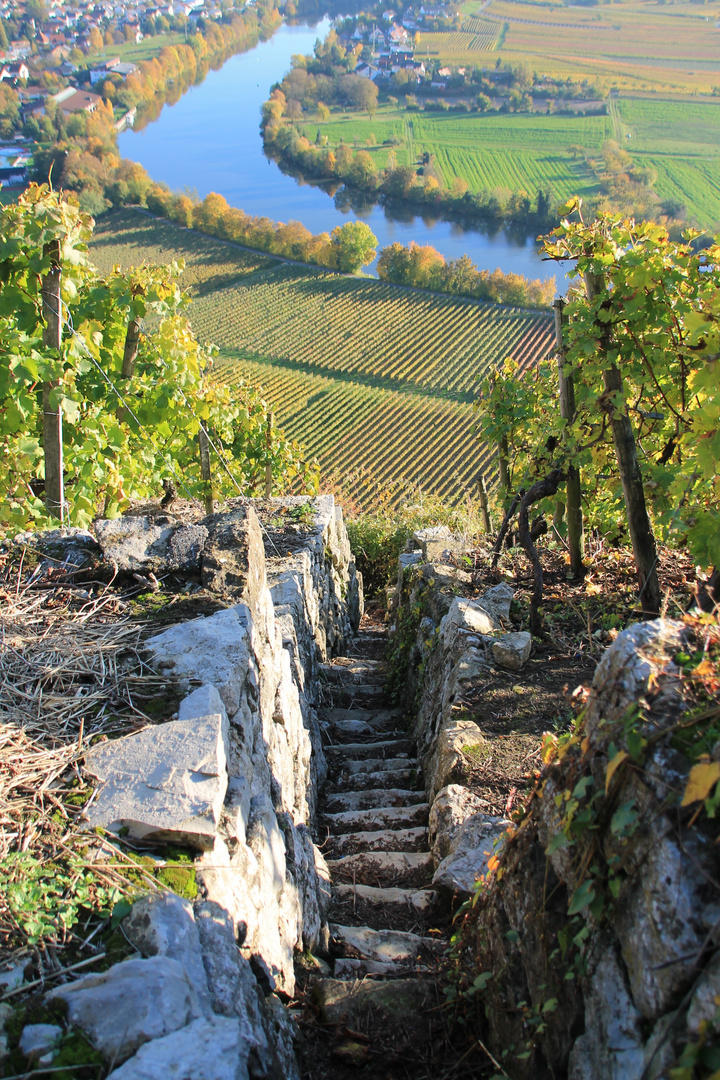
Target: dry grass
(71, 672)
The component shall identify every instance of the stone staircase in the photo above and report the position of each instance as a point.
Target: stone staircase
(373, 825)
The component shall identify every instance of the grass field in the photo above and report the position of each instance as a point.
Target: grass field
(636, 45)
(663, 60)
(366, 375)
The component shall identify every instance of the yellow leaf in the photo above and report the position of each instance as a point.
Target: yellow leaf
(493, 863)
(613, 766)
(584, 744)
(701, 781)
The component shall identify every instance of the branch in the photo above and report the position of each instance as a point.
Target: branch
(541, 490)
(503, 530)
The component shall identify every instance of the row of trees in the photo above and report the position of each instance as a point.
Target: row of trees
(95, 405)
(426, 268)
(348, 248)
(624, 432)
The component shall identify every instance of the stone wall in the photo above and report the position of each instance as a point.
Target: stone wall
(236, 777)
(592, 947)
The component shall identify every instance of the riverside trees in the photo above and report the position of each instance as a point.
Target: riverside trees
(131, 401)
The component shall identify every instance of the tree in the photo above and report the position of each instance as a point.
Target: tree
(131, 403)
(37, 10)
(355, 245)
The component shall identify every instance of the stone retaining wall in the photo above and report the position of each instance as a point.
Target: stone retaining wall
(592, 951)
(236, 777)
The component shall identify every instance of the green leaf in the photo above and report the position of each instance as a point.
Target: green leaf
(582, 897)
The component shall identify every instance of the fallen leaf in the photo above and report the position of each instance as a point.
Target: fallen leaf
(701, 781)
(613, 766)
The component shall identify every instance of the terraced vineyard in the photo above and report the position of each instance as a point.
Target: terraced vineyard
(367, 375)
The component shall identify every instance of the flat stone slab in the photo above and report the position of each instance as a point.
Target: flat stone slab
(143, 543)
(379, 748)
(366, 800)
(383, 840)
(394, 778)
(381, 817)
(384, 946)
(383, 868)
(130, 1004)
(212, 1048)
(167, 782)
(212, 650)
(378, 719)
(376, 765)
(393, 901)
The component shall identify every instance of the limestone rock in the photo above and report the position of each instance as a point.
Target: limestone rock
(468, 615)
(703, 1007)
(469, 854)
(37, 1040)
(452, 807)
(14, 976)
(496, 601)
(612, 1044)
(130, 1004)
(233, 557)
(435, 541)
(144, 543)
(637, 655)
(167, 782)
(512, 650)
(68, 547)
(451, 761)
(210, 1048)
(212, 650)
(201, 702)
(163, 924)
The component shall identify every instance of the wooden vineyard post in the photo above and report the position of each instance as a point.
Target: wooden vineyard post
(641, 534)
(52, 414)
(268, 465)
(487, 525)
(573, 489)
(205, 469)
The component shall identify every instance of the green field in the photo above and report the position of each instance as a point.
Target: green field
(367, 375)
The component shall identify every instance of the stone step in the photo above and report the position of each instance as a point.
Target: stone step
(380, 748)
(388, 903)
(382, 946)
(348, 967)
(384, 868)
(343, 671)
(362, 720)
(366, 800)
(395, 778)
(379, 817)
(373, 1005)
(346, 731)
(379, 840)
(354, 696)
(377, 765)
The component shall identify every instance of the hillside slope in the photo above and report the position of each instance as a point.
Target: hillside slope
(369, 376)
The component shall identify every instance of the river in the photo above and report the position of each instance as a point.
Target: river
(210, 141)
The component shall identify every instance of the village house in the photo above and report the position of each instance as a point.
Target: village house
(15, 71)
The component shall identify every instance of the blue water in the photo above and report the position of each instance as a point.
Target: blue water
(210, 141)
